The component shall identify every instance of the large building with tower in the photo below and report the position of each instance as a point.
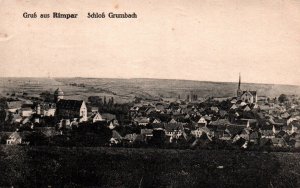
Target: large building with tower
(69, 109)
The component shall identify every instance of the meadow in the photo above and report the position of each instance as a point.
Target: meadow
(127, 167)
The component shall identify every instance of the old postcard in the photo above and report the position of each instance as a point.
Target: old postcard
(131, 93)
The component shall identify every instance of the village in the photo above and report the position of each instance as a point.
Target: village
(245, 121)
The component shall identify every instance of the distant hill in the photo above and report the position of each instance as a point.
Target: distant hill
(127, 89)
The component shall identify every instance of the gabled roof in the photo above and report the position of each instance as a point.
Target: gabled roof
(14, 104)
(142, 120)
(253, 93)
(278, 141)
(116, 135)
(172, 121)
(156, 120)
(20, 135)
(247, 108)
(202, 120)
(15, 135)
(96, 114)
(173, 126)
(69, 104)
(233, 107)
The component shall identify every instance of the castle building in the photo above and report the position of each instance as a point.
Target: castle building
(246, 96)
(72, 109)
(69, 109)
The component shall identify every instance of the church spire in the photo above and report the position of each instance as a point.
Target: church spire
(239, 91)
(239, 87)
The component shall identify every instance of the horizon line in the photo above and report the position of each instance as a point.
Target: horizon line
(147, 78)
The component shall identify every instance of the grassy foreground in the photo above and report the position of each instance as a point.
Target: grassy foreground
(24, 166)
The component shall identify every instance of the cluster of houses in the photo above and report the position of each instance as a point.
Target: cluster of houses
(243, 121)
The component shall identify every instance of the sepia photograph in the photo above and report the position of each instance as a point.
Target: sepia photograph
(150, 93)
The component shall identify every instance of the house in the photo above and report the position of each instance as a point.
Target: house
(220, 122)
(254, 137)
(116, 138)
(291, 119)
(233, 101)
(202, 122)
(142, 121)
(245, 134)
(158, 126)
(239, 141)
(156, 121)
(13, 106)
(111, 125)
(173, 129)
(14, 139)
(247, 108)
(16, 118)
(147, 133)
(46, 109)
(197, 133)
(65, 123)
(17, 138)
(226, 135)
(293, 127)
(172, 121)
(249, 97)
(96, 117)
(233, 107)
(72, 109)
(160, 107)
(26, 112)
(246, 96)
(130, 137)
(214, 109)
(150, 110)
(267, 131)
(278, 142)
(223, 113)
(4, 136)
(200, 131)
(285, 115)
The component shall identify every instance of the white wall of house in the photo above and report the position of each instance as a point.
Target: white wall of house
(83, 112)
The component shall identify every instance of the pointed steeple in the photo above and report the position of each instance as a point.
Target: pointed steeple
(239, 91)
(239, 87)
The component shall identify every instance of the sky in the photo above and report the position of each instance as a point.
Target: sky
(206, 40)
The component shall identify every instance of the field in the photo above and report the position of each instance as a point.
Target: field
(123, 167)
(124, 90)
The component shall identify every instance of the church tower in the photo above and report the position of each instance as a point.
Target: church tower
(239, 92)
